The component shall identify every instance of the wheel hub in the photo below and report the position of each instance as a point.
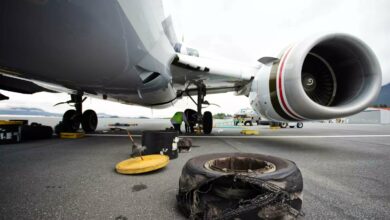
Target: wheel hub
(236, 164)
(309, 83)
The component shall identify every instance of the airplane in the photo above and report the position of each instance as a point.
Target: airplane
(128, 51)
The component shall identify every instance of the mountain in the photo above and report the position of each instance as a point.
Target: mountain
(104, 115)
(40, 112)
(384, 96)
(27, 111)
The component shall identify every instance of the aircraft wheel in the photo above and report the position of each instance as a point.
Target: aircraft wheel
(89, 121)
(71, 121)
(248, 123)
(218, 172)
(207, 122)
(299, 125)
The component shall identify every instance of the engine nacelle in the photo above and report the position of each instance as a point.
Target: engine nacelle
(324, 77)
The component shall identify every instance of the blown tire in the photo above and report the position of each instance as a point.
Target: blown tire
(208, 185)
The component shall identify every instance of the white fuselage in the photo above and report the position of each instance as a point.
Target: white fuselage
(115, 49)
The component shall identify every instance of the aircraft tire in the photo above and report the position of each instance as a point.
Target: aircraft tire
(70, 120)
(207, 122)
(89, 121)
(197, 175)
(299, 125)
(248, 123)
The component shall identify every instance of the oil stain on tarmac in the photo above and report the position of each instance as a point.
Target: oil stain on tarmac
(121, 217)
(139, 187)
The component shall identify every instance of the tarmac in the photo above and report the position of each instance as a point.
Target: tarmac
(346, 171)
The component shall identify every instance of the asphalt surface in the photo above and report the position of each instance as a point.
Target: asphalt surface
(345, 170)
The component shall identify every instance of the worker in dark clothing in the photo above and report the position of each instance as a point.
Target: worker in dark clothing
(191, 117)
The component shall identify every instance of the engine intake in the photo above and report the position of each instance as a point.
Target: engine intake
(321, 77)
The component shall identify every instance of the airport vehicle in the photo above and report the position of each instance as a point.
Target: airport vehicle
(246, 116)
(282, 124)
(249, 117)
(127, 51)
(291, 125)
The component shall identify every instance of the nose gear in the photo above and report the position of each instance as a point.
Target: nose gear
(205, 120)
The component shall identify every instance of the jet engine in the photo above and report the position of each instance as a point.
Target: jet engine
(322, 77)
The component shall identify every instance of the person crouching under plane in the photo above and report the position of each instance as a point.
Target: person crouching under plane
(176, 121)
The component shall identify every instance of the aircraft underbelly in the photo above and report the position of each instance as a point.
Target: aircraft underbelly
(92, 46)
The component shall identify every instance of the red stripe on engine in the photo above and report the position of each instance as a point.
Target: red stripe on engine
(281, 87)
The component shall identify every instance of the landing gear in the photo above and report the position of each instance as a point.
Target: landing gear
(72, 118)
(204, 121)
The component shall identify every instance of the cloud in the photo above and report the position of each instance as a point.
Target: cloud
(247, 30)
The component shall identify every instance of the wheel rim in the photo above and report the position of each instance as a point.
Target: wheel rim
(237, 164)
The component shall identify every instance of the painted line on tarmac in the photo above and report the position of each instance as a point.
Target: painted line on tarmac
(260, 137)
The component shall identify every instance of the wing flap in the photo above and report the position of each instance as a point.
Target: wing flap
(218, 76)
(206, 66)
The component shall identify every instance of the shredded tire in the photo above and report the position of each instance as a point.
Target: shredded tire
(249, 186)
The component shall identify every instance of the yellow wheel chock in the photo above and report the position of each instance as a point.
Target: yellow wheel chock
(71, 135)
(250, 132)
(274, 127)
(3, 122)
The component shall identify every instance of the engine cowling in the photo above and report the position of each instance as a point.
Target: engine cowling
(322, 77)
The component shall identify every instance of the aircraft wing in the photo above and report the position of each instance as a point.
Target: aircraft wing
(218, 76)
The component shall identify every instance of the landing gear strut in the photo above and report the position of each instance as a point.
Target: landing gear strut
(205, 120)
(72, 118)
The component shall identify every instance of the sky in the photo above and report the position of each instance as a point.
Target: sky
(244, 31)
